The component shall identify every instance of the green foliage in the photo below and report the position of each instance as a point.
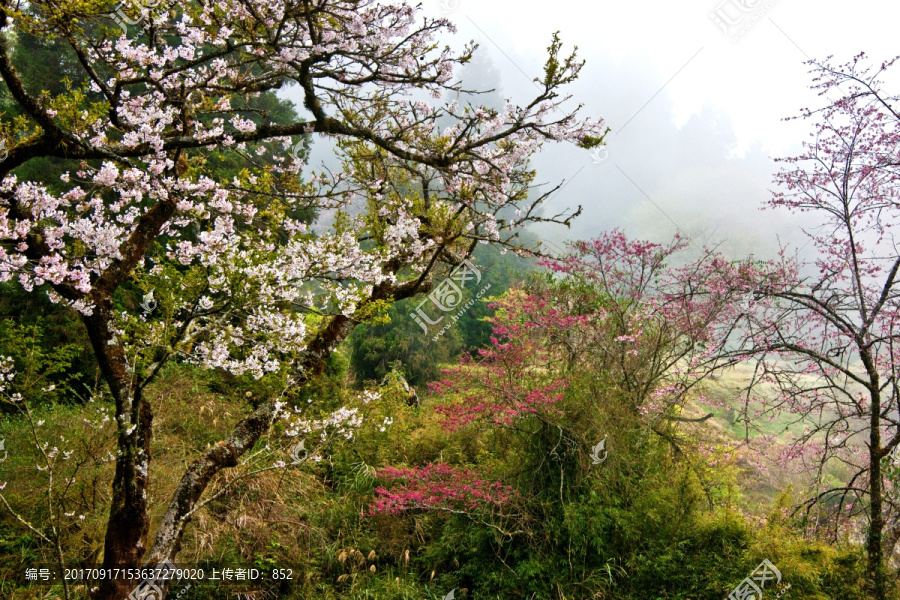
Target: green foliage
(394, 336)
(375, 347)
(635, 527)
(48, 350)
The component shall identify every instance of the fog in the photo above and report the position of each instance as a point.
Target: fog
(696, 114)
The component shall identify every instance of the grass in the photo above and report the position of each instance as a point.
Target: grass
(305, 518)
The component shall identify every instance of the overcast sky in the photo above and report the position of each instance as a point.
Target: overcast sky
(696, 112)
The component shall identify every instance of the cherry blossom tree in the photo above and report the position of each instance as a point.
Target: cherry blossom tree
(516, 376)
(825, 334)
(612, 306)
(240, 282)
(649, 320)
(511, 385)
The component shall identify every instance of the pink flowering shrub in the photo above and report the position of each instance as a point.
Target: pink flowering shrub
(437, 486)
(516, 375)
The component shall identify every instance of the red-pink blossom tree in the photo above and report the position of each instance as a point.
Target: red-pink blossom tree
(517, 375)
(439, 487)
(826, 334)
(137, 207)
(648, 316)
(515, 379)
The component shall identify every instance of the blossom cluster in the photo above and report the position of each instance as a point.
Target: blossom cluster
(341, 422)
(436, 486)
(510, 378)
(7, 374)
